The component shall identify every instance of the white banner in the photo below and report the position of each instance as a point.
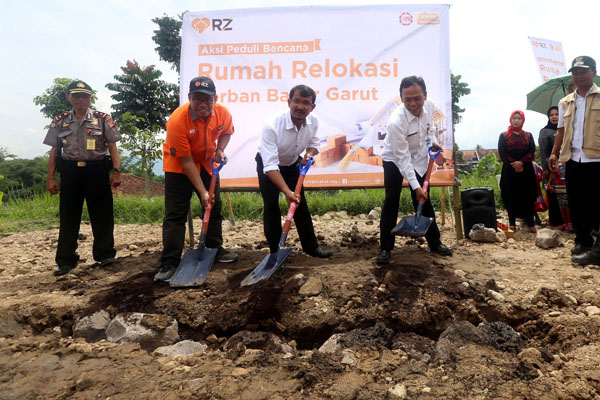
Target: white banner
(354, 57)
(549, 57)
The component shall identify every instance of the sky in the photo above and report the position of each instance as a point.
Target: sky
(489, 48)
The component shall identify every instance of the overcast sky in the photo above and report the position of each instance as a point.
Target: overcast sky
(489, 47)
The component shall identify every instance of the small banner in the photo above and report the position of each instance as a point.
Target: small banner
(549, 57)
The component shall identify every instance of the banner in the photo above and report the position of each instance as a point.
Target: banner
(354, 58)
(549, 57)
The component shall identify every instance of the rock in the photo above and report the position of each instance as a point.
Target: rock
(398, 391)
(532, 356)
(501, 336)
(495, 295)
(92, 328)
(312, 287)
(378, 336)
(552, 297)
(349, 357)
(373, 214)
(455, 336)
(183, 348)
(589, 296)
(484, 235)
(460, 273)
(332, 345)
(149, 330)
(9, 327)
(501, 237)
(265, 341)
(547, 238)
(592, 310)
(212, 338)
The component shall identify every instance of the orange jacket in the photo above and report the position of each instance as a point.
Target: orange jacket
(188, 134)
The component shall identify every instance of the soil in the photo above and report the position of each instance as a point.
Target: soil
(132, 185)
(418, 328)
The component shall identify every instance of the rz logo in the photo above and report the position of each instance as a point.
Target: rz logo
(217, 24)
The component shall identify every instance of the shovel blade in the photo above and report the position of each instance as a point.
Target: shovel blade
(267, 267)
(413, 226)
(194, 267)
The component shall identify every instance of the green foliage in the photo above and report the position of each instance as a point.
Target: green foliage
(53, 101)
(22, 176)
(168, 39)
(488, 166)
(144, 102)
(4, 154)
(140, 92)
(458, 89)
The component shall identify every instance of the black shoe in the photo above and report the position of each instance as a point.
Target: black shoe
(107, 261)
(442, 250)
(165, 273)
(319, 252)
(224, 256)
(384, 257)
(591, 257)
(580, 249)
(64, 269)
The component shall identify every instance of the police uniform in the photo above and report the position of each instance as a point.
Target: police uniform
(83, 165)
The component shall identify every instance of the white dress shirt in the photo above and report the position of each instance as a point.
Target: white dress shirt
(281, 143)
(577, 153)
(405, 142)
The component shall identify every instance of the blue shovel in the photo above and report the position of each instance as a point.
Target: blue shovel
(196, 263)
(273, 261)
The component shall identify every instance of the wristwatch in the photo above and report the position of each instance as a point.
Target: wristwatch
(117, 169)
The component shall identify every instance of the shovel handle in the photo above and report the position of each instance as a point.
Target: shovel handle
(211, 192)
(293, 205)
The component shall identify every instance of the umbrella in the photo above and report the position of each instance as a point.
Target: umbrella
(550, 92)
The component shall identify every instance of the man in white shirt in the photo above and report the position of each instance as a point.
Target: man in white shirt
(282, 141)
(405, 155)
(577, 142)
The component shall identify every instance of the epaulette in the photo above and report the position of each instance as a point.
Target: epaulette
(62, 115)
(100, 114)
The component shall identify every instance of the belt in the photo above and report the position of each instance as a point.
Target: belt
(87, 163)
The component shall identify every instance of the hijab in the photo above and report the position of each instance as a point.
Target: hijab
(510, 127)
(550, 125)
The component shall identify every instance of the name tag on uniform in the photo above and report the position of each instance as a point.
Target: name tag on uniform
(91, 144)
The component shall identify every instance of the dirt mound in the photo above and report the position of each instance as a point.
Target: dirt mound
(502, 320)
(135, 186)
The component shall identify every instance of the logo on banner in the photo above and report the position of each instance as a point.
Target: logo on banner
(217, 24)
(428, 19)
(405, 18)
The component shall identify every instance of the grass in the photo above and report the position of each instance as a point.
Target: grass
(41, 212)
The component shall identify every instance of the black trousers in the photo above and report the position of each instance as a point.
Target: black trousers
(583, 193)
(272, 212)
(92, 184)
(178, 193)
(392, 180)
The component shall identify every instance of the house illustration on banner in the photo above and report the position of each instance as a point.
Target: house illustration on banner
(371, 134)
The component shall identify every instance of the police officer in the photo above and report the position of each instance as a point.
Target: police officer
(80, 140)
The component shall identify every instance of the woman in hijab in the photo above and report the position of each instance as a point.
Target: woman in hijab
(546, 141)
(517, 182)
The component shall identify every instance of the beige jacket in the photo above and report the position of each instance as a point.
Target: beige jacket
(591, 125)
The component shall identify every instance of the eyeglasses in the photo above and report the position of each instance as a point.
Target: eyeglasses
(304, 103)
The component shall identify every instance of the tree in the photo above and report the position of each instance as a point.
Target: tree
(144, 103)
(168, 39)
(458, 155)
(144, 147)
(458, 89)
(53, 101)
